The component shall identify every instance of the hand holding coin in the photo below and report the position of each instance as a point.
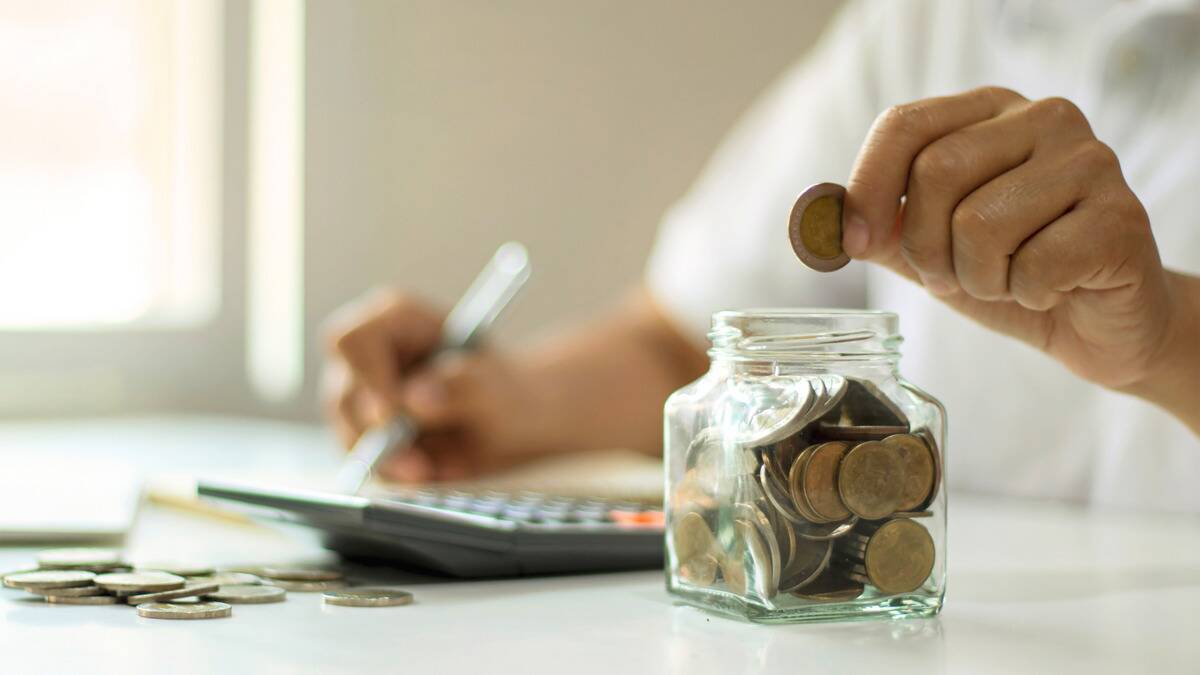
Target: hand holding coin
(1013, 213)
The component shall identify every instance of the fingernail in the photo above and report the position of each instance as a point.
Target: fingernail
(426, 395)
(856, 236)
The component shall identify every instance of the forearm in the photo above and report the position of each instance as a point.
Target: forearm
(603, 384)
(1174, 382)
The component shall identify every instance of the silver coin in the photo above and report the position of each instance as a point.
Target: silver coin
(793, 398)
(184, 610)
(754, 547)
(300, 574)
(140, 581)
(368, 597)
(81, 600)
(227, 579)
(178, 569)
(4, 577)
(50, 579)
(767, 562)
(775, 492)
(247, 595)
(73, 592)
(77, 558)
(188, 591)
(308, 586)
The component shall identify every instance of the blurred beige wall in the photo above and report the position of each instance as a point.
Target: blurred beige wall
(438, 129)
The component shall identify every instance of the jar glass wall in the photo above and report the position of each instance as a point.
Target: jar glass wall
(804, 474)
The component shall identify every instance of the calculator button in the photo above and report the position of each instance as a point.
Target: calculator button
(652, 519)
(487, 507)
(590, 515)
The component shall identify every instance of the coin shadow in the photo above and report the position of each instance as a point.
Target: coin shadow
(31, 611)
(1054, 585)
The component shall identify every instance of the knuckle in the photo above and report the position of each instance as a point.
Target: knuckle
(972, 229)
(1060, 111)
(906, 119)
(1000, 94)
(941, 164)
(1097, 155)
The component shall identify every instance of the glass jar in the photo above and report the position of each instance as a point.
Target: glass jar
(804, 474)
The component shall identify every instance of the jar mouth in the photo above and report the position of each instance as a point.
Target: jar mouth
(786, 334)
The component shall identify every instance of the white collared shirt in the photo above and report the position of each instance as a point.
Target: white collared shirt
(1019, 422)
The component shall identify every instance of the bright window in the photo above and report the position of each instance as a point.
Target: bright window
(110, 142)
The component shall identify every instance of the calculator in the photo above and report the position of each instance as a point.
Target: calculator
(467, 534)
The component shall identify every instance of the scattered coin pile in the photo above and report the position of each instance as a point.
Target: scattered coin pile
(827, 509)
(85, 576)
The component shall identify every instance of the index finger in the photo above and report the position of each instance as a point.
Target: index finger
(880, 174)
(378, 341)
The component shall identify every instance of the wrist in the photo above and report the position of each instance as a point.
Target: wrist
(1173, 381)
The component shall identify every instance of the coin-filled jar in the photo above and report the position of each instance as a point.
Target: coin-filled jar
(804, 473)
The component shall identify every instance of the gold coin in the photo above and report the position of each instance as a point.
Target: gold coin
(917, 468)
(899, 556)
(815, 227)
(796, 487)
(926, 435)
(692, 537)
(869, 480)
(818, 481)
(700, 570)
(733, 572)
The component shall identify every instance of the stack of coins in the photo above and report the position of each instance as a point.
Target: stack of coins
(82, 576)
(850, 478)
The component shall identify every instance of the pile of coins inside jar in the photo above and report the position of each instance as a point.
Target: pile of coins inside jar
(826, 501)
(89, 576)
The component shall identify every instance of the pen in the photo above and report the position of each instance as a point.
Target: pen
(485, 299)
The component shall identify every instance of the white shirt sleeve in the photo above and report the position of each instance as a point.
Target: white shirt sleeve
(725, 244)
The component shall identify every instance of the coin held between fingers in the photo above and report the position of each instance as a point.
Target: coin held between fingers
(815, 227)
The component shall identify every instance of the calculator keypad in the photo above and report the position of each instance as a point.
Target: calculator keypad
(533, 507)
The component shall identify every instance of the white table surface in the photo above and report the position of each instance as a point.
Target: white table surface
(1033, 587)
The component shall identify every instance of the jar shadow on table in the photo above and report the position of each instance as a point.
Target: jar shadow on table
(1010, 586)
(700, 639)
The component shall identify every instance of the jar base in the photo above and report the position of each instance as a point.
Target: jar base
(906, 606)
